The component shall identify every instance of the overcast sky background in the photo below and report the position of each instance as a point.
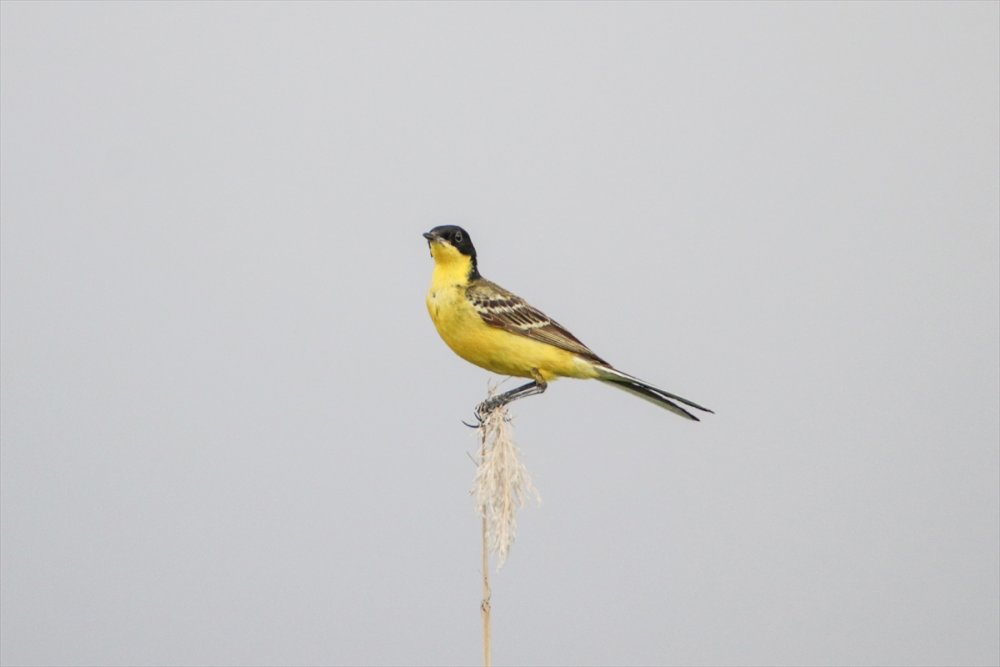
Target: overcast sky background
(230, 433)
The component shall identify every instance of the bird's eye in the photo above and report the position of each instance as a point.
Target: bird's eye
(458, 237)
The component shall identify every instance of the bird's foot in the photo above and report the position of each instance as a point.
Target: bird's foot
(483, 411)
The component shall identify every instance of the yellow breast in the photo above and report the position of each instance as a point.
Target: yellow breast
(494, 349)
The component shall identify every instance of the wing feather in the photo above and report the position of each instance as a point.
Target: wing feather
(505, 310)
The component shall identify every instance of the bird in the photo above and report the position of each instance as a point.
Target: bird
(495, 329)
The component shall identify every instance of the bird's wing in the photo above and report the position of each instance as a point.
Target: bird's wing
(505, 310)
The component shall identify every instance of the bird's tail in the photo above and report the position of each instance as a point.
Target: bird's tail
(634, 385)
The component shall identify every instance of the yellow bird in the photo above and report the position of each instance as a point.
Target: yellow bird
(492, 328)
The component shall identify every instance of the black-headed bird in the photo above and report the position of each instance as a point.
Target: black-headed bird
(497, 330)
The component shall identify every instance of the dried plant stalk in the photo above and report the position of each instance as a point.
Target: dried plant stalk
(502, 487)
(485, 606)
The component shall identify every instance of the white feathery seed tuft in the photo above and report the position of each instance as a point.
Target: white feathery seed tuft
(502, 484)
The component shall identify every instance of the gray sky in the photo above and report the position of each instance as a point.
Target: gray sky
(231, 435)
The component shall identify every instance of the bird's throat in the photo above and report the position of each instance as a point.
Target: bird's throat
(452, 267)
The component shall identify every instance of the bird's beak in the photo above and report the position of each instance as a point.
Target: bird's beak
(432, 238)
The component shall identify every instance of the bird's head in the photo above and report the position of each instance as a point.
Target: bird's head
(451, 247)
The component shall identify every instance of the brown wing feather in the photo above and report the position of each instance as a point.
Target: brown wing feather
(505, 310)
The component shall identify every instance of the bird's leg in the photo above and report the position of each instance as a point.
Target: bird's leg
(536, 386)
(484, 409)
(491, 404)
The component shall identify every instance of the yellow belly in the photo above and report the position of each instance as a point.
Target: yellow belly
(496, 350)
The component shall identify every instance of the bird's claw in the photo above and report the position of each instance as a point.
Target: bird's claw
(483, 411)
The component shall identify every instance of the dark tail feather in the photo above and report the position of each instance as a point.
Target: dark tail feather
(648, 392)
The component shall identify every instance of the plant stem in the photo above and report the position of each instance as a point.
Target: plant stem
(485, 606)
